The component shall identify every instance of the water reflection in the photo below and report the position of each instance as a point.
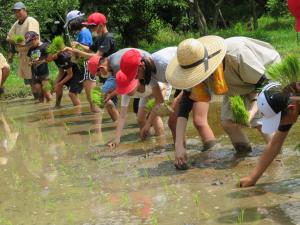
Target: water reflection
(50, 178)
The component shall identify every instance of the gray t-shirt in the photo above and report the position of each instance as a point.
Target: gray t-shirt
(161, 60)
(115, 59)
(246, 60)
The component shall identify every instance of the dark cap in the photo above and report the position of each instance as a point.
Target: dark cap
(272, 102)
(19, 5)
(29, 36)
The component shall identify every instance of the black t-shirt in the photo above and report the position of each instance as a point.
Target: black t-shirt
(38, 54)
(105, 43)
(64, 62)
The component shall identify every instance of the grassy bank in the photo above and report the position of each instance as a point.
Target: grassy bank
(280, 33)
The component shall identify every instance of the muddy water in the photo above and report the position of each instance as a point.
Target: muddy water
(55, 169)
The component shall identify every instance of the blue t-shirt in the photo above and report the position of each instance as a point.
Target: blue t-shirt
(85, 37)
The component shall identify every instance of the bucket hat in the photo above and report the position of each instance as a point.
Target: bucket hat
(195, 61)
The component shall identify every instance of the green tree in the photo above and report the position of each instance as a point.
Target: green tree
(277, 8)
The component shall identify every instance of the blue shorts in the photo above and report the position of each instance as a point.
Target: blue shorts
(109, 84)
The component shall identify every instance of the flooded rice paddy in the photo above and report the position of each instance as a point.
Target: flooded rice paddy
(55, 169)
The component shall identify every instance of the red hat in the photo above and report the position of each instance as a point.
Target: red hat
(93, 64)
(294, 7)
(95, 19)
(130, 62)
(125, 85)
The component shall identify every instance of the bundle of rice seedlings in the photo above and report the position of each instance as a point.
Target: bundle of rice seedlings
(239, 111)
(56, 46)
(286, 72)
(18, 39)
(150, 104)
(97, 97)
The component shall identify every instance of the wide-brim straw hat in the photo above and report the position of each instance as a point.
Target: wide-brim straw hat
(196, 60)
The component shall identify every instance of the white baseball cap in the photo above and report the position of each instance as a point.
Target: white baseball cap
(71, 16)
(271, 102)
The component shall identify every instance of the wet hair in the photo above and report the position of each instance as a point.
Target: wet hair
(149, 70)
(76, 24)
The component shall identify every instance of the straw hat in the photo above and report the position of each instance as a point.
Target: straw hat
(196, 60)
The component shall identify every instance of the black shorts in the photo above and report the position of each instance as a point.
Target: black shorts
(39, 79)
(74, 84)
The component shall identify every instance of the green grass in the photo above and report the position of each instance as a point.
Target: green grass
(239, 111)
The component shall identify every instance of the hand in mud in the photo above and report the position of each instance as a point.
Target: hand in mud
(113, 144)
(247, 182)
(180, 157)
(144, 131)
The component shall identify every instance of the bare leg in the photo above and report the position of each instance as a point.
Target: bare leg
(200, 111)
(88, 86)
(74, 98)
(47, 94)
(59, 94)
(158, 126)
(173, 117)
(112, 110)
(5, 73)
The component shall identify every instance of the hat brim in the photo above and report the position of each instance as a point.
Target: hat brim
(68, 21)
(127, 87)
(88, 24)
(270, 125)
(186, 78)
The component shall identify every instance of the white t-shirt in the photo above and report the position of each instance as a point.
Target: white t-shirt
(125, 99)
(161, 60)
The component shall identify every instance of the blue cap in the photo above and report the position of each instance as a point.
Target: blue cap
(19, 5)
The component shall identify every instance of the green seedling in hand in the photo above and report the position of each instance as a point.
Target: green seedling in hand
(286, 72)
(56, 46)
(97, 97)
(239, 111)
(150, 104)
(18, 39)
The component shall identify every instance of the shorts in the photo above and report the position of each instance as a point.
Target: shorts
(109, 84)
(226, 112)
(200, 93)
(86, 74)
(39, 79)
(74, 85)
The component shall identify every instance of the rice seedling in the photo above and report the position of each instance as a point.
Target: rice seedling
(239, 111)
(150, 104)
(97, 97)
(197, 199)
(286, 72)
(154, 220)
(18, 39)
(240, 218)
(125, 199)
(56, 46)
(146, 174)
